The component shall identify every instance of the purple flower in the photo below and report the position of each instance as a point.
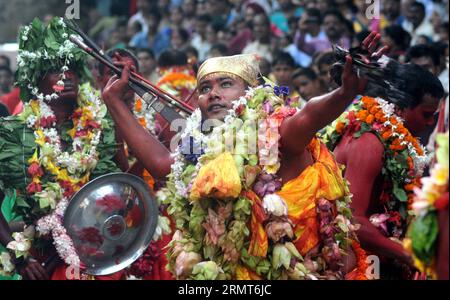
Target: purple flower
(281, 91)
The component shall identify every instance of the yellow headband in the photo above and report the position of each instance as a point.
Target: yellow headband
(246, 66)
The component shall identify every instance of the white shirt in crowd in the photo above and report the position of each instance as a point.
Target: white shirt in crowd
(263, 50)
(425, 28)
(202, 47)
(301, 58)
(139, 17)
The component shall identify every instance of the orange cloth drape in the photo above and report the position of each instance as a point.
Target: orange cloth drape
(323, 179)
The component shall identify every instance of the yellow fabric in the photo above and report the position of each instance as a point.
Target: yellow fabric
(246, 66)
(149, 179)
(323, 179)
(217, 179)
(259, 242)
(243, 273)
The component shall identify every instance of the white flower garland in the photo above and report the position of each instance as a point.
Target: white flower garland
(83, 158)
(87, 154)
(212, 143)
(25, 58)
(53, 224)
(148, 114)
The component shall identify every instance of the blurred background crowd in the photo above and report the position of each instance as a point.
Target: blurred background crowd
(294, 38)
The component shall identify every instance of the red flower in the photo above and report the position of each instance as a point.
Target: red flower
(81, 133)
(47, 122)
(119, 250)
(68, 188)
(395, 218)
(77, 114)
(240, 109)
(84, 250)
(58, 88)
(134, 217)
(442, 203)
(145, 264)
(351, 116)
(35, 170)
(93, 124)
(115, 229)
(34, 188)
(111, 203)
(91, 235)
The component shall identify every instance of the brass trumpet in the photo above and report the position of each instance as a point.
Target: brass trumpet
(162, 102)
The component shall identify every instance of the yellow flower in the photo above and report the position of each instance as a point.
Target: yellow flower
(34, 158)
(90, 135)
(272, 169)
(72, 132)
(63, 175)
(41, 138)
(243, 273)
(52, 168)
(217, 179)
(440, 175)
(407, 244)
(35, 107)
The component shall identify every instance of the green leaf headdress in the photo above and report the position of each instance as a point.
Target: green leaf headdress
(43, 49)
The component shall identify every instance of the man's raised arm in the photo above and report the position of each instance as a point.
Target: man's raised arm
(297, 131)
(153, 155)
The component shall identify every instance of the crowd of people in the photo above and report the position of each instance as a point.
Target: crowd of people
(415, 31)
(347, 180)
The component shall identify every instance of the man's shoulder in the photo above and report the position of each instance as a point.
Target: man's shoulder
(367, 141)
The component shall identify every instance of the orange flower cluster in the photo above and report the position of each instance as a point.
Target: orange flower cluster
(409, 188)
(361, 258)
(372, 112)
(369, 111)
(340, 126)
(178, 80)
(138, 105)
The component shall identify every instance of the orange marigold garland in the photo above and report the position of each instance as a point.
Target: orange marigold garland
(178, 81)
(404, 158)
(361, 267)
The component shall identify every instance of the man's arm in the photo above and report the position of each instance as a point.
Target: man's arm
(364, 165)
(297, 131)
(121, 158)
(148, 150)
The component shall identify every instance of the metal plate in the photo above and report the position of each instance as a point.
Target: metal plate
(111, 221)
